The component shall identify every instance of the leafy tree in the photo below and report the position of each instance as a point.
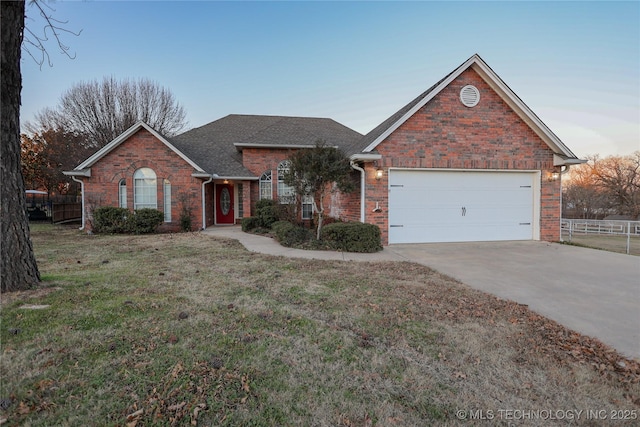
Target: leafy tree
(46, 154)
(316, 172)
(102, 110)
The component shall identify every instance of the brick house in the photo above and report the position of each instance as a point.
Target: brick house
(466, 160)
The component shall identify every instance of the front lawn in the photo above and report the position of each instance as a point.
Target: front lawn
(187, 329)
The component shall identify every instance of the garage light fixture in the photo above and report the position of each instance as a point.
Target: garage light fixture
(379, 173)
(553, 176)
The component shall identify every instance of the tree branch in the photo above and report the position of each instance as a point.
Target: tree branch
(33, 42)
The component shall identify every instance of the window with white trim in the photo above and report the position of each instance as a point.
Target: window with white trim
(167, 200)
(145, 190)
(122, 193)
(266, 189)
(307, 207)
(286, 194)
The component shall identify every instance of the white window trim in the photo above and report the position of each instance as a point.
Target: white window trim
(266, 183)
(286, 193)
(166, 187)
(140, 186)
(122, 193)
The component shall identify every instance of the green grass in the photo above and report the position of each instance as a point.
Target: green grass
(189, 330)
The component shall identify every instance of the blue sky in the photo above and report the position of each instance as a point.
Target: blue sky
(575, 64)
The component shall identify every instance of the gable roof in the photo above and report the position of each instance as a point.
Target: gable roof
(82, 168)
(217, 146)
(563, 155)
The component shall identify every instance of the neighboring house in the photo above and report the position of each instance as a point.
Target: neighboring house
(466, 160)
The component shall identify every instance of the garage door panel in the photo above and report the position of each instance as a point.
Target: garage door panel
(434, 206)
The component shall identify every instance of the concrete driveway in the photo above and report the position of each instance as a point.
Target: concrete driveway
(593, 292)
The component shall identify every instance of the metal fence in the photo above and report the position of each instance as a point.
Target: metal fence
(581, 227)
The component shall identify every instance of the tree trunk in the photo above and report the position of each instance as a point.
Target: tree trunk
(17, 261)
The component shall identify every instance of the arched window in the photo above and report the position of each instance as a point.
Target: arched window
(266, 189)
(167, 200)
(286, 193)
(122, 193)
(145, 190)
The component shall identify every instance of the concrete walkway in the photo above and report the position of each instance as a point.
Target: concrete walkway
(593, 292)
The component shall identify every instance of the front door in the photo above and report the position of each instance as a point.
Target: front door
(224, 204)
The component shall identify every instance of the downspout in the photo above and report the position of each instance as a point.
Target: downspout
(82, 191)
(204, 204)
(362, 188)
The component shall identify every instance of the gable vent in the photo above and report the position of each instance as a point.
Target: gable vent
(470, 96)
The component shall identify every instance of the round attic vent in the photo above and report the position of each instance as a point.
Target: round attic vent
(470, 96)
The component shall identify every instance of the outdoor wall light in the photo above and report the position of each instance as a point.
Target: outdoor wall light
(553, 176)
(379, 173)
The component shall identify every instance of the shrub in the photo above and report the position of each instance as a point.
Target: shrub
(267, 212)
(144, 221)
(289, 234)
(352, 236)
(250, 223)
(185, 221)
(110, 219)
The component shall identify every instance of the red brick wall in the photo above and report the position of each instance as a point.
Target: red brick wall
(260, 160)
(446, 134)
(139, 151)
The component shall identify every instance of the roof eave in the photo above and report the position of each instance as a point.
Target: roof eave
(124, 136)
(365, 157)
(277, 146)
(78, 172)
(560, 160)
(201, 175)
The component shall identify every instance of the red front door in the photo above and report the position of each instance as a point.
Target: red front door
(224, 204)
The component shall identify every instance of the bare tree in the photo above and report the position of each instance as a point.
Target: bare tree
(619, 176)
(603, 186)
(102, 110)
(34, 44)
(17, 260)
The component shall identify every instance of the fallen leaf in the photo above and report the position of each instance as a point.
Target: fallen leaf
(176, 407)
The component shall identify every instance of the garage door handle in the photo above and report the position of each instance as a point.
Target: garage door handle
(464, 211)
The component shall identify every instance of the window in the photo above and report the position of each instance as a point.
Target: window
(145, 191)
(167, 200)
(307, 207)
(122, 193)
(266, 189)
(285, 192)
(240, 198)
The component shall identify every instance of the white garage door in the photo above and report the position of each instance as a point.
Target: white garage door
(460, 206)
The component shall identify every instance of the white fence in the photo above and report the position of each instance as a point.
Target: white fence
(605, 227)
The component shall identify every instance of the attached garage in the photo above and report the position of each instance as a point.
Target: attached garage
(463, 205)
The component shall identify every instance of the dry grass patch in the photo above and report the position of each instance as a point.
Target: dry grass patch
(186, 329)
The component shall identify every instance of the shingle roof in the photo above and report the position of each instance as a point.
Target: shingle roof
(367, 139)
(214, 146)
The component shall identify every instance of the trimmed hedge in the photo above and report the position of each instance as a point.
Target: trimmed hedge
(250, 223)
(289, 234)
(112, 220)
(145, 221)
(352, 237)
